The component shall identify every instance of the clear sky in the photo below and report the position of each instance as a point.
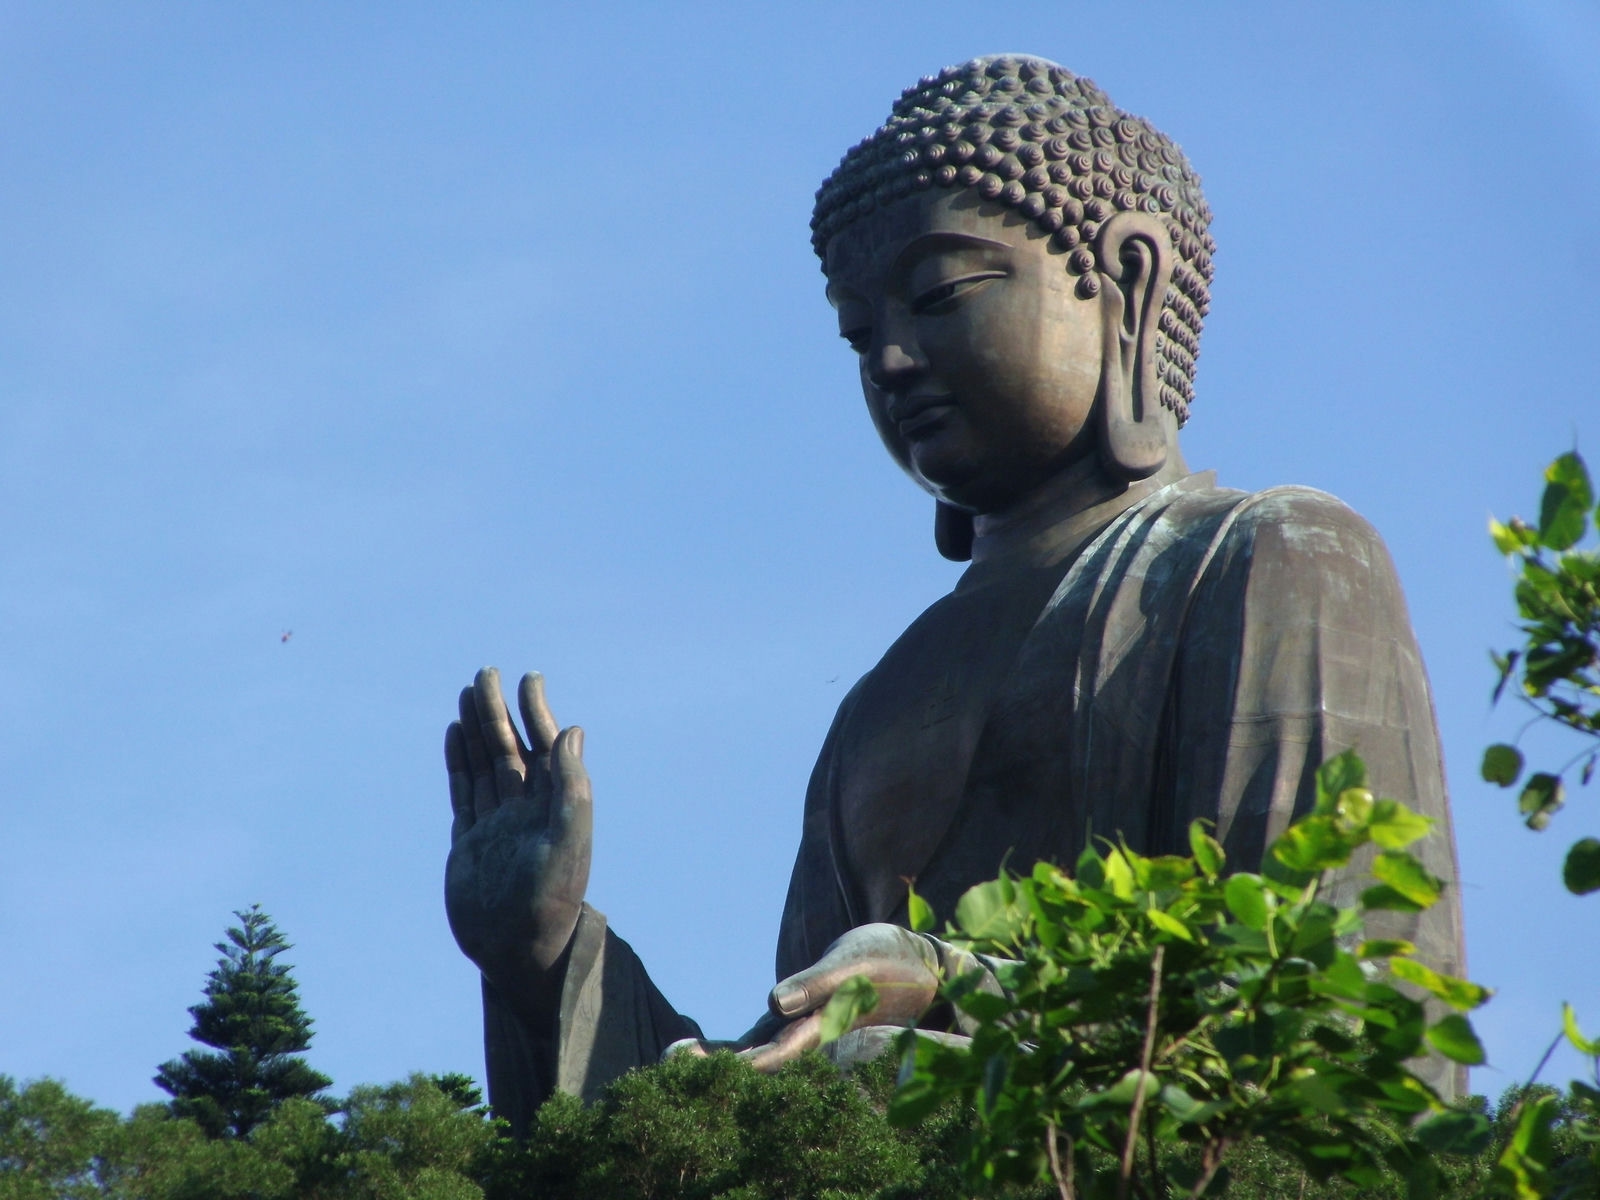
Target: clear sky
(452, 335)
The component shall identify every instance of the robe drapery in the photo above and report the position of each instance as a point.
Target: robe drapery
(1199, 658)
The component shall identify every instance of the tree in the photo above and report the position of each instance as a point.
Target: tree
(252, 1016)
(53, 1145)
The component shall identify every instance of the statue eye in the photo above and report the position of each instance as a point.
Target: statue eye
(858, 338)
(941, 297)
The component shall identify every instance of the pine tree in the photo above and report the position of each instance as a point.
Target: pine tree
(252, 1016)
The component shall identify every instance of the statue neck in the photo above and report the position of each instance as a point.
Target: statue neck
(1059, 517)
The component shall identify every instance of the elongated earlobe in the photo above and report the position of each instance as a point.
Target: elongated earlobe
(952, 531)
(1135, 260)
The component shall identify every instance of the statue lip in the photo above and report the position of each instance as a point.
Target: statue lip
(920, 413)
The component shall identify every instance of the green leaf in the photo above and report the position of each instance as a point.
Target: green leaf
(1313, 844)
(1320, 1094)
(986, 1006)
(855, 998)
(1090, 870)
(1119, 874)
(1541, 799)
(995, 1071)
(1168, 923)
(1455, 1132)
(1248, 900)
(1184, 1107)
(1165, 872)
(1564, 508)
(1506, 664)
(1505, 539)
(918, 911)
(1553, 664)
(1458, 993)
(1406, 875)
(1207, 851)
(1313, 940)
(1453, 1037)
(1569, 1023)
(1121, 1093)
(988, 912)
(1339, 773)
(1384, 948)
(1343, 978)
(1525, 1162)
(1394, 826)
(1354, 808)
(1386, 898)
(1501, 764)
(1581, 871)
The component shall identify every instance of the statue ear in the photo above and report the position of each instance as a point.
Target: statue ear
(952, 531)
(1135, 265)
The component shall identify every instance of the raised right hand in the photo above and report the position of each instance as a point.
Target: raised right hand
(519, 847)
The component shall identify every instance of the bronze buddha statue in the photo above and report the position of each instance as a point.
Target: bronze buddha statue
(1022, 270)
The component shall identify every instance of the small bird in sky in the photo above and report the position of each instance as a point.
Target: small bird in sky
(287, 634)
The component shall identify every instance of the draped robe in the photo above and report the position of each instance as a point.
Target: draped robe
(1196, 654)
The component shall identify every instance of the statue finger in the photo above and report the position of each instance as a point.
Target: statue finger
(812, 988)
(541, 725)
(901, 964)
(793, 1040)
(500, 737)
(571, 811)
(460, 772)
(485, 796)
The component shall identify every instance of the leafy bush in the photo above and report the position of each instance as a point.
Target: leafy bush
(1159, 1002)
(693, 1128)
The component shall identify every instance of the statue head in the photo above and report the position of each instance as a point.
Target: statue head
(1011, 243)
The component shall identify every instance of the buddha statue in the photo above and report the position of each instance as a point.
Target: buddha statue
(1022, 270)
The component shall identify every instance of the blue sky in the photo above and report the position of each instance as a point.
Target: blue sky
(493, 335)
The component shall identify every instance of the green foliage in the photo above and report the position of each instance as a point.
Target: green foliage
(1153, 1004)
(1546, 1145)
(52, 1144)
(162, 1157)
(713, 1127)
(252, 1017)
(1556, 669)
(689, 1128)
(411, 1139)
(405, 1141)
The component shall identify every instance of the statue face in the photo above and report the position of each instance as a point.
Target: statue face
(979, 362)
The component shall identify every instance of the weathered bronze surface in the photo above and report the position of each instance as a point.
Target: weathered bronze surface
(1022, 270)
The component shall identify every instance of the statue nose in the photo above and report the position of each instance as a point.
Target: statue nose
(891, 363)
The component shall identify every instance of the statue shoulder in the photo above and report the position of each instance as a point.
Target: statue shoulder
(1299, 505)
(1300, 522)
(1287, 521)
(1294, 542)
(1295, 512)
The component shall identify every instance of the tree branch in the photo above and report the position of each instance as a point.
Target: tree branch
(1063, 1181)
(1131, 1142)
